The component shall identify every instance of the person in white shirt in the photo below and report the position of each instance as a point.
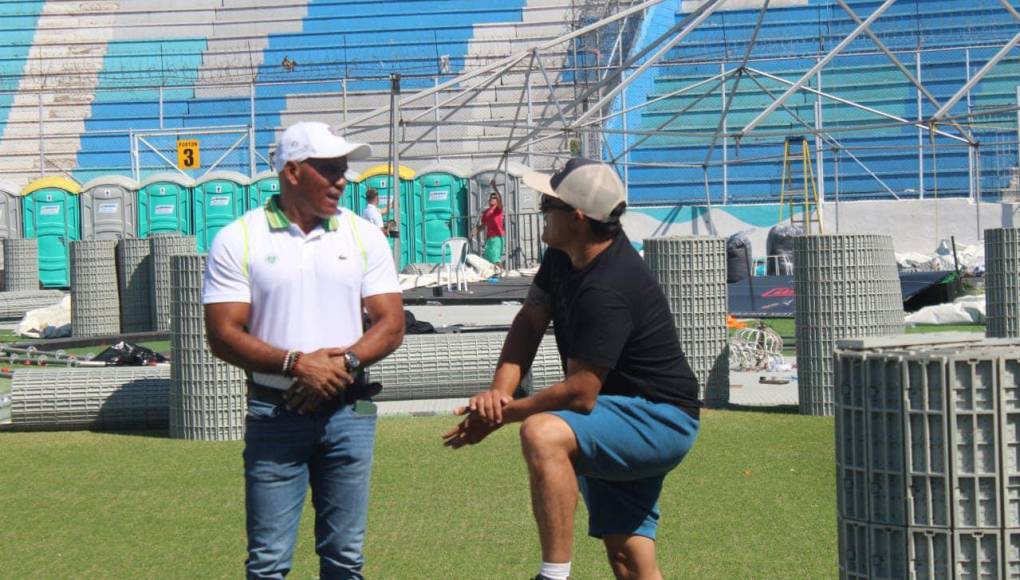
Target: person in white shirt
(372, 213)
(283, 292)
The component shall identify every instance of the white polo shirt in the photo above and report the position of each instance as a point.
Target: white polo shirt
(373, 215)
(305, 290)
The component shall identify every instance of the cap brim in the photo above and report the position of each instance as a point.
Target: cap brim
(540, 182)
(352, 151)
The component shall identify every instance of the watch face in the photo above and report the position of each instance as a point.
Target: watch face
(353, 362)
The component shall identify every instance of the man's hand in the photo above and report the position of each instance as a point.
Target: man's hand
(469, 432)
(321, 374)
(488, 405)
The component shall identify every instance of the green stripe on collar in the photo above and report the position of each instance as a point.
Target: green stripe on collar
(279, 220)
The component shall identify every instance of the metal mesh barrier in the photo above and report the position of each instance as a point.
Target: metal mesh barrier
(692, 273)
(1002, 282)
(207, 395)
(95, 306)
(90, 398)
(163, 248)
(847, 287)
(927, 463)
(134, 277)
(21, 265)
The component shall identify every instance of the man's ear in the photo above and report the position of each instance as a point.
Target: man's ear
(291, 171)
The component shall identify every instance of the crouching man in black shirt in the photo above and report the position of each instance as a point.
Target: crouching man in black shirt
(627, 412)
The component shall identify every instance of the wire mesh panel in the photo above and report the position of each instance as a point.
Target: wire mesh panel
(21, 265)
(1002, 281)
(928, 457)
(846, 286)
(95, 304)
(207, 395)
(14, 305)
(134, 273)
(692, 273)
(90, 398)
(163, 248)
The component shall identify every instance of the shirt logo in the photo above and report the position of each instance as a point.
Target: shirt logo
(271, 259)
(341, 257)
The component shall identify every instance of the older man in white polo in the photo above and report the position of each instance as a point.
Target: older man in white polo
(283, 293)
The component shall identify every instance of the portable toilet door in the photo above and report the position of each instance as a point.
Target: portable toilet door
(219, 199)
(412, 239)
(521, 244)
(262, 187)
(445, 197)
(353, 198)
(164, 204)
(108, 208)
(10, 212)
(50, 211)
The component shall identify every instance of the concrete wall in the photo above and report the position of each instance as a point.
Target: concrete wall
(915, 225)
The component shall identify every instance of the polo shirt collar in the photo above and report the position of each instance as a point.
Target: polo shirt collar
(279, 220)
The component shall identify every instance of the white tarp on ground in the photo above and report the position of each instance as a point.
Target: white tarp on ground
(963, 310)
(49, 322)
(972, 259)
(476, 269)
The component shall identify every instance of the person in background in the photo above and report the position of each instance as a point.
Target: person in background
(372, 213)
(492, 221)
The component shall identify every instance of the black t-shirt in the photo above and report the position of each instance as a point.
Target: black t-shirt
(614, 314)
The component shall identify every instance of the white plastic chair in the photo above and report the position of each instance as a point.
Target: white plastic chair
(456, 248)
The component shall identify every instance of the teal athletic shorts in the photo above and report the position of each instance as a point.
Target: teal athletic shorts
(627, 446)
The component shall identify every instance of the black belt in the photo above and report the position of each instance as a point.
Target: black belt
(357, 391)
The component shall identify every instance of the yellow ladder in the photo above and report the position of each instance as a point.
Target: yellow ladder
(809, 195)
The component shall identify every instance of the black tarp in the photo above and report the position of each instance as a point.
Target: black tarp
(774, 295)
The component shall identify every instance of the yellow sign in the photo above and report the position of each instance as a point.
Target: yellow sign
(188, 154)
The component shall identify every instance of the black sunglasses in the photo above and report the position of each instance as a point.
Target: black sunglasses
(331, 172)
(549, 203)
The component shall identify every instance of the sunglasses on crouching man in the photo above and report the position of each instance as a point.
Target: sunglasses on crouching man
(549, 203)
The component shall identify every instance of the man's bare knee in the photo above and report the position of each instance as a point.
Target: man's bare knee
(546, 436)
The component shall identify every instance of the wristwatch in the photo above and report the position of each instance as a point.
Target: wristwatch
(352, 361)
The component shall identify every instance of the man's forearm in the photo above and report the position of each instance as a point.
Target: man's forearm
(559, 397)
(244, 350)
(379, 341)
(517, 355)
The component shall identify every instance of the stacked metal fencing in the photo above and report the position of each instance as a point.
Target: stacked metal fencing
(847, 286)
(134, 277)
(1002, 282)
(95, 306)
(692, 273)
(21, 265)
(90, 398)
(14, 305)
(163, 248)
(928, 457)
(207, 395)
(442, 366)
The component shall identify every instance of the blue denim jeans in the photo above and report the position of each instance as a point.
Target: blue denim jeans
(285, 452)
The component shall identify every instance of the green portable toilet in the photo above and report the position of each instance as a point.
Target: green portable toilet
(219, 198)
(108, 208)
(262, 187)
(353, 198)
(10, 212)
(50, 214)
(164, 204)
(444, 190)
(412, 233)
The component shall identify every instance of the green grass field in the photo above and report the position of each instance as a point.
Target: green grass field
(755, 499)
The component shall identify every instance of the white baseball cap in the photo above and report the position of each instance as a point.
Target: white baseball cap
(590, 186)
(312, 140)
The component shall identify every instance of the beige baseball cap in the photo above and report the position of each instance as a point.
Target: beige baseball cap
(312, 140)
(590, 186)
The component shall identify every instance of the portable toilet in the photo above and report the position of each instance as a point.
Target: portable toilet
(164, 204)
(109, 208)
(219, 198)
(444, 190)
(50, 214)
(10, 212)
(353, 198)
(262, 187)
(412, 235)
(522, 243)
